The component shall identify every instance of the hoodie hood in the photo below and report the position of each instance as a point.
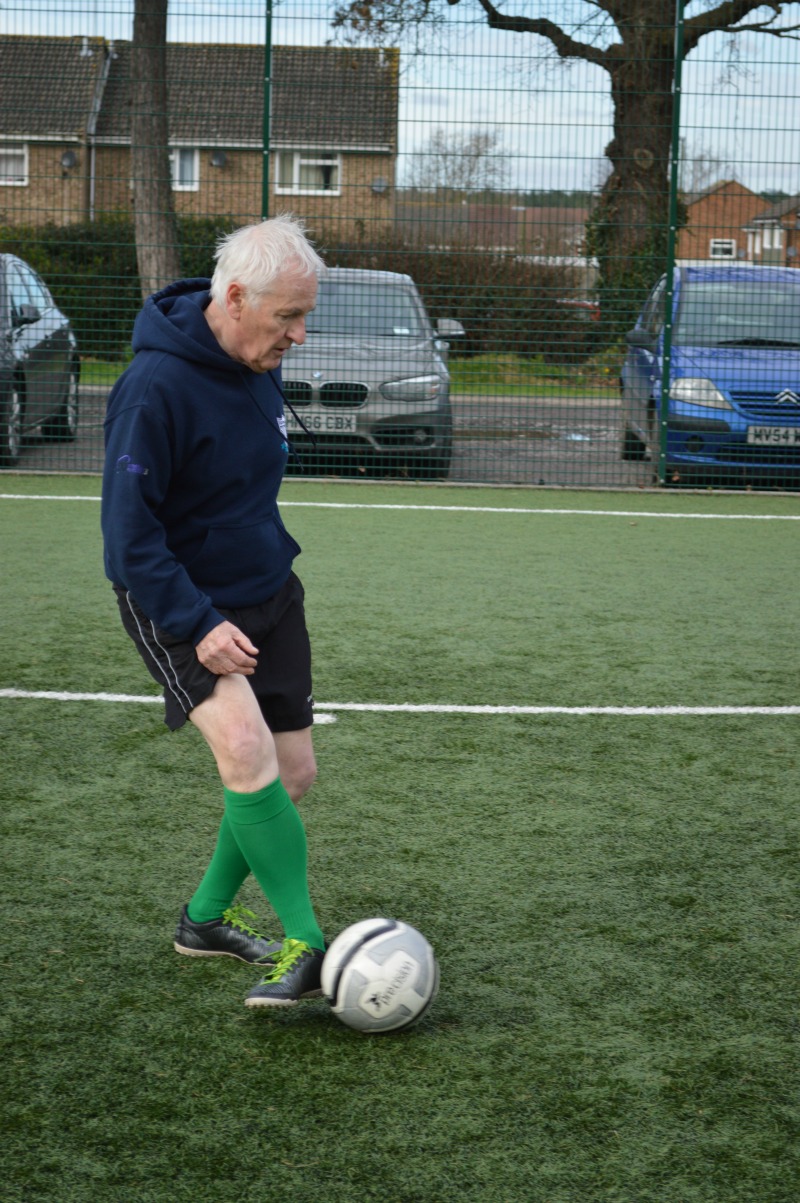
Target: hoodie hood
(173, 321)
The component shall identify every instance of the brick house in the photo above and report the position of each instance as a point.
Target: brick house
(65, 130)
(717, 217)
(557, 230)
(50, 94)
(773, 234)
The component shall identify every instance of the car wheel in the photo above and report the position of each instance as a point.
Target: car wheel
(63, 427)
(632, 446)
(12, 413)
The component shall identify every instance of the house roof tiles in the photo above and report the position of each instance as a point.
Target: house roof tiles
(48, 85)
(326, 97)
(784, 208)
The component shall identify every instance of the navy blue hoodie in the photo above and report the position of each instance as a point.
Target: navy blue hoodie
(195, 452)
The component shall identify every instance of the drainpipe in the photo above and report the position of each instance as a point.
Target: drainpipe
(92, 177)
(91, 127)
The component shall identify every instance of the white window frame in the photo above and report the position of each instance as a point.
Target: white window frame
(722, 248)
(174, 153)
(16, 149)
(307, 158)
(773, 238)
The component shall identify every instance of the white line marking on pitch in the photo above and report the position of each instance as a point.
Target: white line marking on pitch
(424, 708)
(467, 509)
(487, 509)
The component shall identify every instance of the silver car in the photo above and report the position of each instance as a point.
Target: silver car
(39, 363)
(370, 387)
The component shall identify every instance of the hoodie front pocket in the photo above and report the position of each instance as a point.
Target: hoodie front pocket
(242, 555)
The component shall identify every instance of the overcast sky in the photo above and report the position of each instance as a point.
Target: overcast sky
(555, 121)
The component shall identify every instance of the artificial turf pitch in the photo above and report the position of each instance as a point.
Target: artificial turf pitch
(612, 897)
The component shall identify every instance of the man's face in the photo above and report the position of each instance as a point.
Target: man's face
(258, 332)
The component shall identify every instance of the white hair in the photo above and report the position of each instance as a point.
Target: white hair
(255, 256)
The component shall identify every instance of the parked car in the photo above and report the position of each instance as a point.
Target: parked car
(39, 364)
(733, 412)
(370, 383)
(584, 309)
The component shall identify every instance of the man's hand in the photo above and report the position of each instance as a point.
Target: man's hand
(225, 650)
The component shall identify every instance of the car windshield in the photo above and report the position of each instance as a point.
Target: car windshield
(373, 309)
(741, 313)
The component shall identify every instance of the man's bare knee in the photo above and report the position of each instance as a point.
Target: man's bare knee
(299, 781)
(246, 745)
(296, 761)
(239, 738)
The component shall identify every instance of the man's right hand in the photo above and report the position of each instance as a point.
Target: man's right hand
(225, 650)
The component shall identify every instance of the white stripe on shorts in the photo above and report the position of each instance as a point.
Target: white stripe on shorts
(183, 699)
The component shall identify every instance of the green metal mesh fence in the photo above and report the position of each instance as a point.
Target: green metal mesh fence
(535, 170)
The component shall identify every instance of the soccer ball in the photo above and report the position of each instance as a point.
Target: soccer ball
(380, 975)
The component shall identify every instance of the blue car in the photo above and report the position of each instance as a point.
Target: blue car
(733, 414)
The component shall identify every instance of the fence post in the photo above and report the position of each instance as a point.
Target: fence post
(266, 127)
(672, 237)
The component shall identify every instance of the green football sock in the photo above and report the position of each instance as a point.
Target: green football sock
(222, 879)
(272, 839)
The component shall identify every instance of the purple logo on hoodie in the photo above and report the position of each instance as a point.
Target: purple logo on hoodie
(125, 464)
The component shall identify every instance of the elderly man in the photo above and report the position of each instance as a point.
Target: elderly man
(201, 564)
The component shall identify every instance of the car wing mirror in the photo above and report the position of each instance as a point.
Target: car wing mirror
(640, 338)
(448, 327)
(26, 315)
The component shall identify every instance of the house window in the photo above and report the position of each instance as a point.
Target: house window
(13, 166)
(773, 238)
(185, 167)
(308, 172)
(723, 248)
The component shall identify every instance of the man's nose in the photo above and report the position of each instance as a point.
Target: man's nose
(297, 331)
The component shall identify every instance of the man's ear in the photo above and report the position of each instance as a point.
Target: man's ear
(234, 300)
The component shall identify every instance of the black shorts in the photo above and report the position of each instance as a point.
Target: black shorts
(281, 681)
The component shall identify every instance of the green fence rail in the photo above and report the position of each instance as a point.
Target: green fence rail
(602, 222)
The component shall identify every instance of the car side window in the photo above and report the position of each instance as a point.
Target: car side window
(18, 294)
(38, 293)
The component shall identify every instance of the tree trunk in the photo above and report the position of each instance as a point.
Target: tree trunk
(154, 216)
(628, 229)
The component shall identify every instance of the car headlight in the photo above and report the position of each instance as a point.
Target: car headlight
(415, 388)
(697, 390)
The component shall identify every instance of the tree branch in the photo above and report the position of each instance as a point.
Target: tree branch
(384, 16)
(725, 18)
(565, 46)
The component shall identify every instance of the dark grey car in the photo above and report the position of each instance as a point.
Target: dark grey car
(39, 363)
(371, 383)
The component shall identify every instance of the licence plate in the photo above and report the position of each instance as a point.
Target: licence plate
(322, 423)
(772, 436)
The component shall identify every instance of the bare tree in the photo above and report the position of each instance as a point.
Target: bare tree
(634, 42)
(154, 215)
(463, 161)
(700, 167)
